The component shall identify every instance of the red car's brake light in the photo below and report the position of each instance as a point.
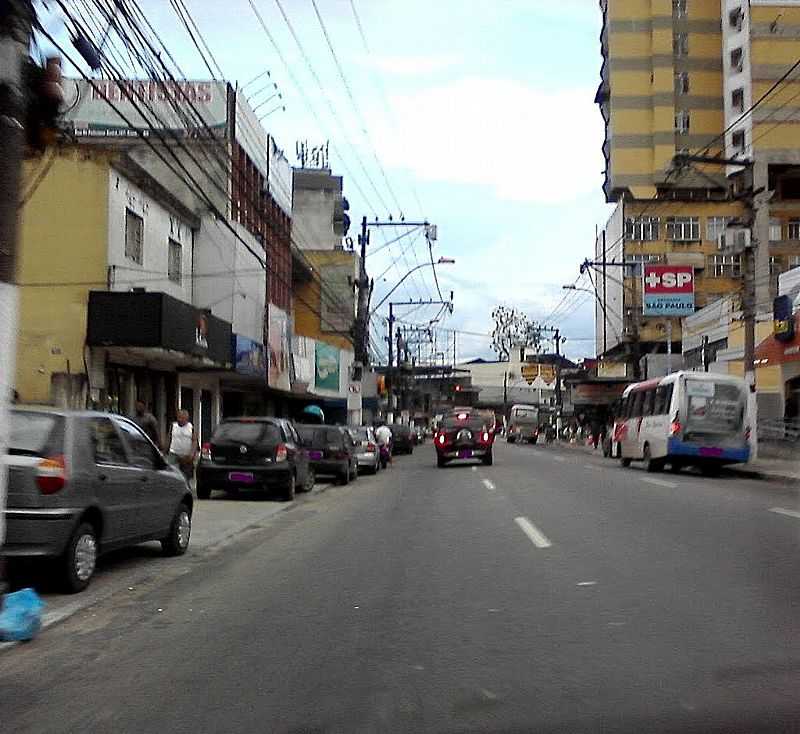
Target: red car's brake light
(281, 453)
(51, 474)
(205, 451)
(441, 439)
(675, 426)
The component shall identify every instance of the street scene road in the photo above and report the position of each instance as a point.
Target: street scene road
(553, 591)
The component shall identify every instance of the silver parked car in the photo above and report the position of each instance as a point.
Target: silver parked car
(82, 483)
(366, 449)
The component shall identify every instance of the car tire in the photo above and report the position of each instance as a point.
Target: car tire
(344, 477)
(311, 480)
(203, 493)
(290, 488)
(488, 460)
(625, 461)
(80, 558)
(180, 531)
(441, 462)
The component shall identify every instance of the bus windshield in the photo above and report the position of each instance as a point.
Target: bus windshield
(714, 407)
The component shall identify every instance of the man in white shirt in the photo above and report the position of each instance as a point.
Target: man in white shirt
(383, 435)
(182, 444)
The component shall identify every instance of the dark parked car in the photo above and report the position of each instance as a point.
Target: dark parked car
(463, 435)
(331, 450)
(402, 439)
(83, 483)
(254, 454)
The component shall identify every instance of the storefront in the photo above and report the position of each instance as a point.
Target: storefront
(155, 348)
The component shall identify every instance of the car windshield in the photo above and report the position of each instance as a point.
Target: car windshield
(248, 432)
(464, 420)
(35, 433)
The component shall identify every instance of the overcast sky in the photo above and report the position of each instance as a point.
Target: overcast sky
(480, 113)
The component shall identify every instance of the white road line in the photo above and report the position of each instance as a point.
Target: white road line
(489, 485)
(474, 468)
(536, 536)
(590, 466)
(660, 482)
(782, 511)
(558, 458)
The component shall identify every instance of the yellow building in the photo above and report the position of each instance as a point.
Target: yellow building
(678, 76)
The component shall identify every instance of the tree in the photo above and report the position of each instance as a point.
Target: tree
(512, 328)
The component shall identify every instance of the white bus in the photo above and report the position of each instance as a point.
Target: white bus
(684, 419)
(523, 424)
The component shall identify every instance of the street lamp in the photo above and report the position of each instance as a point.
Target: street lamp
(440, 261)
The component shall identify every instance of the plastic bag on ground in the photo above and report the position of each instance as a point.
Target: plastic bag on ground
(20, 615)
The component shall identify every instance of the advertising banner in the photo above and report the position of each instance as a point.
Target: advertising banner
(278, 348)
(165, 105)
(326, 367)
(249, 357)
(668, 290)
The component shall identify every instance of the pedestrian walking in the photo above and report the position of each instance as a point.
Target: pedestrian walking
(383, 435)
(182, 445)
(146, 421)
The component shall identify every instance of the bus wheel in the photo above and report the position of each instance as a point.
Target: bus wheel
(650, 464)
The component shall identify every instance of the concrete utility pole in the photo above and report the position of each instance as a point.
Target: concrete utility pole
(362, 310)
(16, 22)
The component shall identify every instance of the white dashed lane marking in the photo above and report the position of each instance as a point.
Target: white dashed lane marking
(782, 511)
(659, 482)
(536, 536)
(489, 485)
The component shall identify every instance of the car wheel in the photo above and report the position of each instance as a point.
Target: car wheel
(675, 467)
(488, 460)
(344, 477)
(203, 493)
(80, 558)
(311, 480)
(624, 461)
(289, 488)
(177, 542)
(440, 462)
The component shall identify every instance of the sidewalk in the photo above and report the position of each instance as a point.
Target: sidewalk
(216, 523)
(761, 468)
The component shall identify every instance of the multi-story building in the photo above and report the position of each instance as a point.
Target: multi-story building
(171, 261)
(681, 76)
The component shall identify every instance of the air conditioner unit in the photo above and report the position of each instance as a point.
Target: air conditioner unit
(734, 239)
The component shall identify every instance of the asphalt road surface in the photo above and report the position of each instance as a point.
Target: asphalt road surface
(554, 591)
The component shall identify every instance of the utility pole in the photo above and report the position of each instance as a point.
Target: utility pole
(605, 296)
(16, 23)
(559, 403)
(362, 311)
(390, 369)
(401, 390)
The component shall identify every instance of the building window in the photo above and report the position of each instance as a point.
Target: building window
(134, 236)
(794, 261)
(735, 19)
(775, 230)
(643, 229)
(679, 8)
(793, 230)
(682, 82)
(682, 121)
(737, 100)
(683, 229)
(715, 227)
(738, 142)
(726, 266)
(175, 261)
(737, 60)
(680, 44)
(633, 264)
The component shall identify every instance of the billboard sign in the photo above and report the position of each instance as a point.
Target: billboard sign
(145, 103)
(326, 367)
(278, 348)
(668, 290)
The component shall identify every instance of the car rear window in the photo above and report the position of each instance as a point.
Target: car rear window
(472, 421)
(361, 433)
(401, 430)
(36, 434)
(333, 435)
(247, 432)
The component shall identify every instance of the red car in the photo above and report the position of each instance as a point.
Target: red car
(463, 435)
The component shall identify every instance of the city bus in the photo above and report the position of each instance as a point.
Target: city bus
(684, 419)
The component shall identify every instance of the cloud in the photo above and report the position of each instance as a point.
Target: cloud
(412, 65)
(522, 143)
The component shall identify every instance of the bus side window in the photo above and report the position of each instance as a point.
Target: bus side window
(667, 397)
(636, 410)
(658, 408)
(647, 403)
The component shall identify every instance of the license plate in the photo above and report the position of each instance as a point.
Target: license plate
(315, 455)
(465, 454)
(245, 477)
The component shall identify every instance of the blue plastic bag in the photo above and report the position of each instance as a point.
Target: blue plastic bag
(20, 615)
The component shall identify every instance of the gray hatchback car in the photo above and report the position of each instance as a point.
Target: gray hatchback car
(82, 483)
